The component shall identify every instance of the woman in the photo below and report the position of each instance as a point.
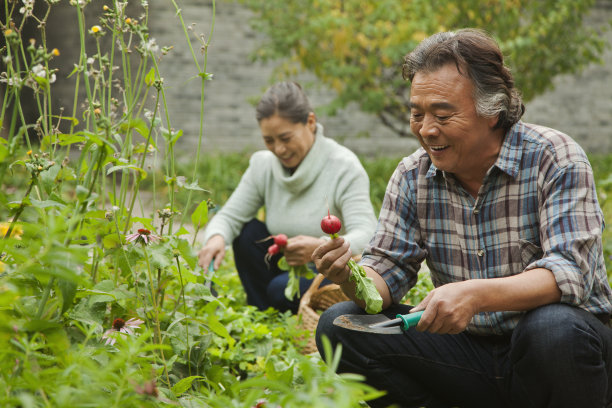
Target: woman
(300, 174)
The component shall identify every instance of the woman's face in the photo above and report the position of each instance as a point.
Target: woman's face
(289, 141)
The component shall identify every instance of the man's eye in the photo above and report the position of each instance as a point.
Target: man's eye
(442, 118)
(416, 116)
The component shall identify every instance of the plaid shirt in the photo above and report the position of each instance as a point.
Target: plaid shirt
(537, 208)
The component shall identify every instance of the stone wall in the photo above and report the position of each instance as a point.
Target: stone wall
(229, 119)
(580, 105)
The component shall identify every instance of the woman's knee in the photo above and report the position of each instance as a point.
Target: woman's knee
(250, 232)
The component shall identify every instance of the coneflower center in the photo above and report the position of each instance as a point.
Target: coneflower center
(118, 324)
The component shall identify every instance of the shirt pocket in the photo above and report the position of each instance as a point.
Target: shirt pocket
(530, 252)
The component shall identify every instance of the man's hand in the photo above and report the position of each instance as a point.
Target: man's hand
(299, 249)
(214, 249)
(331, 259)
(448, 308)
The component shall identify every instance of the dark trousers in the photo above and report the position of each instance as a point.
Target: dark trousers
(558, 356)
(264, 284)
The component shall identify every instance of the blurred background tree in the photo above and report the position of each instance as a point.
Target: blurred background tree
(357, 46)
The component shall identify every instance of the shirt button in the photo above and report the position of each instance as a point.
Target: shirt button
(480, 252)
(476, 211)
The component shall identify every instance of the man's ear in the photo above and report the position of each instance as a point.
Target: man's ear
(493, 121)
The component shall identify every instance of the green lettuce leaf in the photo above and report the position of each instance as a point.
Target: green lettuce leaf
(365, 288)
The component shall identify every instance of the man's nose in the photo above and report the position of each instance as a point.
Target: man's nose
(429, 126)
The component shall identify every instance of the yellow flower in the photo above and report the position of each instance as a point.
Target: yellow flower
(8, 32)
(29, 153)
(96, 29)
(128, 21)
(105, 8)
(98, 111)
(1, 266)
(16, 233)
(55, 52)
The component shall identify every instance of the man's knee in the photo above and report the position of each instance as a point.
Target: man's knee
(553, 331)
(326, 325)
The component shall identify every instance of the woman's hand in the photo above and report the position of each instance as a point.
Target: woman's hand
(213, 250)
(299, 249)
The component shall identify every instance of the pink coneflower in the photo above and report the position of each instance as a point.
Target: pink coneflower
(142, 235)
(121, 326)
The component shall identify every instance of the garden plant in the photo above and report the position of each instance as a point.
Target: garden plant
(101, 299)
(102, 302)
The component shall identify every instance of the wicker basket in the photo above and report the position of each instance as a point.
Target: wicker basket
(317, 299)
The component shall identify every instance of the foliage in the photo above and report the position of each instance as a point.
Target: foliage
(100, 303)
(602, 170)
(356, 47)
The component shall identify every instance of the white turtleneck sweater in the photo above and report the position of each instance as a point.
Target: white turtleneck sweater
(296, 203)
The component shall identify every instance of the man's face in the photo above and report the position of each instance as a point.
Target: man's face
(443, 117)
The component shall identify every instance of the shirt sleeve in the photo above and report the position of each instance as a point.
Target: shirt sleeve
(571, 223)
(394, 251)
(241, 207)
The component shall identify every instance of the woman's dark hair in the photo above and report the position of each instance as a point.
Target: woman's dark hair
(476, 55)
(287, 99)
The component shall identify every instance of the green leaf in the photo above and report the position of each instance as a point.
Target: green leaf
(200, 216)
(187, 252)
(282, 264)
(207, 76)
(150, 78)
(365, 288)
(68, 290)
(183, 385)
(46, 203)
(293, 285)
(68, 139)
(41, 325)
(219, 329)
(4, 151)
(172, 136)
(139, 125)
(161, 256)
(113, 169)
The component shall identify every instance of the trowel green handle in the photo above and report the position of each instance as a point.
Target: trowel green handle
(410, 319)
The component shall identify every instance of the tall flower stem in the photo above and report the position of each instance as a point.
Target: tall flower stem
(155, 310)
(22, 207)
(182, 295)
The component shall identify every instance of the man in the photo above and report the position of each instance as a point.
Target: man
(506, 216)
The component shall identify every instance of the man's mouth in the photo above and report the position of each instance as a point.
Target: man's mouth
(438, 148)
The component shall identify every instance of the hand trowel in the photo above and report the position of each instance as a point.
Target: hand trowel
(378, 323)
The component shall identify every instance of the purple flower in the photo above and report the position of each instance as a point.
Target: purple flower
(121, 326)
(143, 235)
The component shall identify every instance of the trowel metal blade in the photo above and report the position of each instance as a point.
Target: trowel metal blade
(363, 323)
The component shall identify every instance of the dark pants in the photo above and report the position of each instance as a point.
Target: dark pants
(264, 284)
(558, 356)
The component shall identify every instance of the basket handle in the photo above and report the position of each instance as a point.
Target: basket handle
(314, 285)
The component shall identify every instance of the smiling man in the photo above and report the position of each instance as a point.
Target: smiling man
(505, 214)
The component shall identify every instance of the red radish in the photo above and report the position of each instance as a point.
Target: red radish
(330, 224)
(280, 240)
(273, 249)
